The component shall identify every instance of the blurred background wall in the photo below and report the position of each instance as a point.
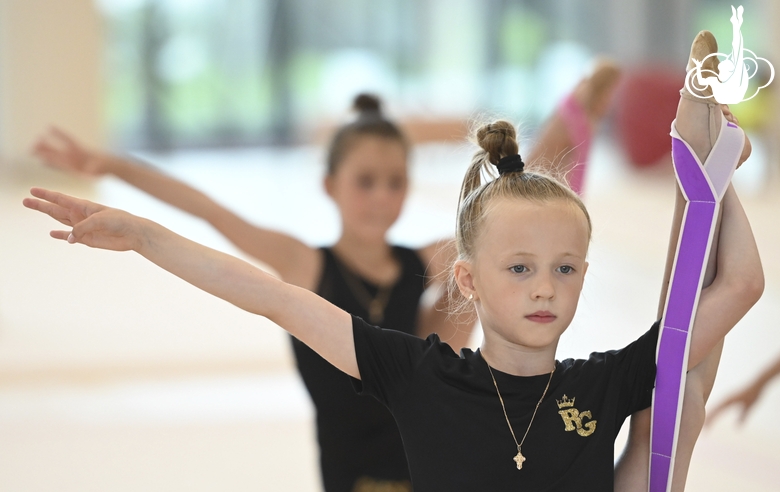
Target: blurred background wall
(51, 70)
(168, 74)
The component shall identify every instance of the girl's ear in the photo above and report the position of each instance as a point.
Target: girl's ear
(327, 182)
(582, 277)
(464, 277)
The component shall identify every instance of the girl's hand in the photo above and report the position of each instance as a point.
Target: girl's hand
(92, 224)
(733, 119)
(744, 399)
(59, 150)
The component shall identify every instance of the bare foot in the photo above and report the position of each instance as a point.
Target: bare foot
(595, 92)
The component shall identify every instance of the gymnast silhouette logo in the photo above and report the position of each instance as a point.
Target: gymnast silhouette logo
(735, 70)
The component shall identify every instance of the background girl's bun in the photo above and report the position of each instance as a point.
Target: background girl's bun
(498, 139)
(366, 103)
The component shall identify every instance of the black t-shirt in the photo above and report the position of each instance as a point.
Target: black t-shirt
(454, 431)
(358, 437)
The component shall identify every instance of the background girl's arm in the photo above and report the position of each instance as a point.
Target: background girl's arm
(321, 325)
(295, 262)
(435, 317)
(748, 396)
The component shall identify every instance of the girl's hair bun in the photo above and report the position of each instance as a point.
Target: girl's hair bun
(498, 139)
(367, 103)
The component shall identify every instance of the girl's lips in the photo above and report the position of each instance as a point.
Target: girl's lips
(541, 317)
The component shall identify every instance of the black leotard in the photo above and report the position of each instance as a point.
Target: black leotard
(358, 437)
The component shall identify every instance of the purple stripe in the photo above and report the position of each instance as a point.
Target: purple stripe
(685, 285)
(688, 265)
(659, 472)
(690, 173)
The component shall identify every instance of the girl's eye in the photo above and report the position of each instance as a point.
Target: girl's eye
(519, 269)
(566, 269)
(365, 182)
(397, 184)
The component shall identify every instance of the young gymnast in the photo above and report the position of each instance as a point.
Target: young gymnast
(360, 447)
(509, 414)
(565, 140)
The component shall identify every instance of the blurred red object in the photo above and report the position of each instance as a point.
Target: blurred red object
(645, 105)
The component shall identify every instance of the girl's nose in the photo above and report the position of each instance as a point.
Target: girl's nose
(543, 287)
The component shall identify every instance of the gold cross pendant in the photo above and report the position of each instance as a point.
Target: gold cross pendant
(519, 459)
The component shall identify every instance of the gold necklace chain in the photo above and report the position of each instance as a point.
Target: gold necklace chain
(519, 459)
(374, 305)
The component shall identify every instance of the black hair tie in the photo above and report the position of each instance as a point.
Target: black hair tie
(510, 164)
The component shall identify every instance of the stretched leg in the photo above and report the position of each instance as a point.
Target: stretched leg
(698, 124)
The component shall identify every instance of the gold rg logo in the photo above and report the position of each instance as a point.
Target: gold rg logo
(572, 418)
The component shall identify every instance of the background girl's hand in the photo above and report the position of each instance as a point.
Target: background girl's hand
(59, 150)
(92, 224)
(744, 399)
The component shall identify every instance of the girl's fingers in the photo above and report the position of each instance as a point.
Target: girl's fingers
(40, 206)
(61, 199)
(743, 414)
(65, 137)
(54, 211)
(49, 156)
(63, 235)
(63, 208)
(92, 224)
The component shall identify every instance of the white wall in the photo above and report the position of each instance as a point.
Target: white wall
(50, 72)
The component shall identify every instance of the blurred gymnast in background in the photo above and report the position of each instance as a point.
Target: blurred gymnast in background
(565, 140)
(367, 178)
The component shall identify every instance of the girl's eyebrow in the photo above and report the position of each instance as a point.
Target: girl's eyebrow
(574, 255)
(522, 253)
(564, 255)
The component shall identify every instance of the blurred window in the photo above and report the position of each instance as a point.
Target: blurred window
(185, 73)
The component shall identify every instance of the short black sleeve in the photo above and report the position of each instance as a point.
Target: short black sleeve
(635, 370)
(386, 359)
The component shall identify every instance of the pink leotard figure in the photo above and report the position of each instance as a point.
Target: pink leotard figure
(565, 140)
(580, 134)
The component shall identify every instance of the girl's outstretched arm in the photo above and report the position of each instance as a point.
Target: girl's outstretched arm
(321, 325)
(293, 260)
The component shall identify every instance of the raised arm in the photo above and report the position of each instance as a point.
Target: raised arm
(321, 325)
(435, 317)
(296, 262)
